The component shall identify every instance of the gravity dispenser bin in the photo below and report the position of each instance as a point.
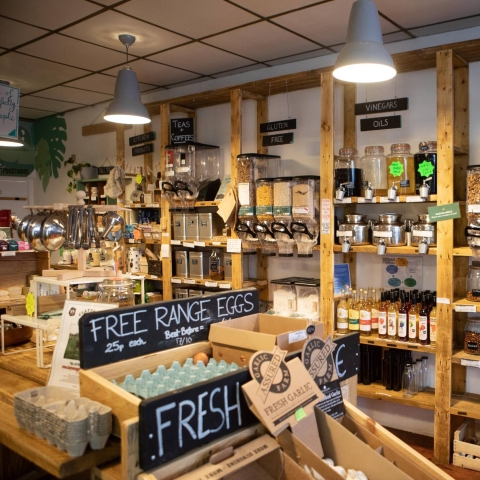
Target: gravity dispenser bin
(264, 210)
(305, 210)
(282, 214)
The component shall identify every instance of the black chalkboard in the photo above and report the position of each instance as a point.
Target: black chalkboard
(382, 106)
(142, 150)
(182, 130)
(280, 139)
(332, 403)
(145, 137)
(113, 335)
(279, 125)
(380, 123)
(347, 356)
(175, 423)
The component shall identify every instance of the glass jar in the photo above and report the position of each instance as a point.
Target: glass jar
(305, 196)
(264, 199)
(473, 282)
(401, 169)
(426, 165)
(374, 169)
(471, 342)
(117, 290)
(282, 199)
(216, 266)
(347, 173)
(473, 195)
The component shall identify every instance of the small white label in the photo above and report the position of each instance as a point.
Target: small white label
(445, 301)
(234, 245)
(8, 254)
(216, 243)
(176, 280)
(149, 205)
(169, 173)
(382, 234)
(199, 244)
(348, 233)
(188, 245)
(470, 363)
(131, 240)
(152, 276)
(473, 208)
(150, 187)
(156, 234)
(465, 308)
(300, 210)
(155, 205)
(211, 284)
(386, 200)
(345, 200)
(189, 281)
(165, 234)
(297, 336)
(414, 199)
(175, 242)
(244, 194)
(422, 233)
(326, 212)
(224, 285)
(165, 250)
(364, 200)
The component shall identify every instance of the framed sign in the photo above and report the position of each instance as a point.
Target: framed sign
(9, 111)
(382, 106)
(182, 130)
(145, 137)
(142, 150)
(380, 123)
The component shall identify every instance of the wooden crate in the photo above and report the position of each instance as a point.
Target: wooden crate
(462, 447)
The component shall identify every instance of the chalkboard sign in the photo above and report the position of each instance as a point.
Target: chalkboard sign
(380, 123)
(347, 356)
(280, 139)
(382, 106)
(175, 423)
(119, 334)
(148, 148)
(182, 130)
(145, 137)
(269, 127)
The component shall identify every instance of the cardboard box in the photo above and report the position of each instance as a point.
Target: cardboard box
(237, 340)
(462, 447)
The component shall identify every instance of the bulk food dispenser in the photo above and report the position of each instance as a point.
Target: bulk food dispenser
(282, 214)
(306, 212)
(250, 168)
(264, 211)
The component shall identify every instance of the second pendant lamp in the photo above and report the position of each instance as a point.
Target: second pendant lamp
(364, 59)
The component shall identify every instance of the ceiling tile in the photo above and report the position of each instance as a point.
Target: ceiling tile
(302, 56)
(51, 14)
(201, 58)
(101, 83)
(189, 82)
(33, 113)
(156, 74)
(107, 2)
(74, 52)
(189, 17)
(447, 26)
(395, 37)
(266, 8)
(32, 101)
(74, 95)
(262, 41)
(15, 33)
(249, 68)
(105, 28)
(414, 13)
(326, 23)
(31, 74)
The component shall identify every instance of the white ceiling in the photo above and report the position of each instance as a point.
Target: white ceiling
(65, 55)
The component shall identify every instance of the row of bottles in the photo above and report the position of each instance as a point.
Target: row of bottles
(399, 315)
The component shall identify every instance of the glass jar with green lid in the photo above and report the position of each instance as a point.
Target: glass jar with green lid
(401, 169)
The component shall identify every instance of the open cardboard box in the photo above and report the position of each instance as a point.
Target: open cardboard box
(237, 340)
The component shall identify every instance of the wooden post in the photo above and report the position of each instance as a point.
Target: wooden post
(148, 158)
(349, 119)
(120, 142)
(445, 158)
(165, 204)
(236, 149)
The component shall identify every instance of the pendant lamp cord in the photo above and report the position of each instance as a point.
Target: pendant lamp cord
(126, 46)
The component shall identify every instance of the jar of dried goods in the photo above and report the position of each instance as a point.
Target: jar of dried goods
(401, 169)
(374, 169)
(305, 197)
(473, 195)
(473, 282)
(282, 199)
(426, 165)
(264, 194)
(471, 343)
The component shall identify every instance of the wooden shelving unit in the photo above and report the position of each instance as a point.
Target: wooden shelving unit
(389, 251)
(380, 342)
(382, 200)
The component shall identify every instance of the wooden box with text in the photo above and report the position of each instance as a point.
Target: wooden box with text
(463, 445)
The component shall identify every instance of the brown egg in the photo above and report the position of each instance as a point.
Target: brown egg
(200, 357)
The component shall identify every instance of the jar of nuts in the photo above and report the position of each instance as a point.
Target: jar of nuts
(473, 195)
(471, 343)
(473, 282)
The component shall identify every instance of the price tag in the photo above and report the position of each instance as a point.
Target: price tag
(211, 284)
(345, 200)
(152, 276)
(326, 213)
(470, 363)
(414, 199)
(165, 250)
(345, 234)
(188, 245)
(8, 254)
(382, 234)
(175, 242)
(224, 285)
(364, 200)
(176, 280)
(149, 205)
(30, 303)
(216, 243)
(422, 233)
(465, 308)
(169, 173)
(445, 301)
(386, 200)
(131, 240)
(199, 244)
(189, 281)
(297, 336)
(234, 245)
(165, 234)
(150, 187)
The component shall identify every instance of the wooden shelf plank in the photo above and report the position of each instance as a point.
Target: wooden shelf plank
(148, 277)
(459, 355)
(223, 284)
(466, 405)
(377, 391)
(390, 250)
(382, 200)
(462, 252)
(416, 347)
(464, 301)
(214, 203)
(208, 243)
(143, 205)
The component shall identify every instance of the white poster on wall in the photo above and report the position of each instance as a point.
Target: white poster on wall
(9, 108)
(66, 357)
(404, 272)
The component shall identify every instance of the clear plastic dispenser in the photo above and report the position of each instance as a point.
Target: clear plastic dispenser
(308, 297)
(284, 296)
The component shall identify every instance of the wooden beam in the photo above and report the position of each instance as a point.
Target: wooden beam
(180, 108)
(326, 197)
(99, 128)
(252, 96)
(445, 155)
(120, 149)
(349, 118)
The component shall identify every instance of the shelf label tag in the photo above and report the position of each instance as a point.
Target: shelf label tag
(414, 199)
(365, 200)
(444, 212)
(8, 254)
(165, 250)
(234, 245)
(326, 214)
(465, 308)
(189, 281)
(224, 285)
(386, 200)
(297, 336)
(176, 280)
(188, 244)
(344, 200)
(175, 242)
(199, 244)
(470, 363)
(211, 284)
(445, 301)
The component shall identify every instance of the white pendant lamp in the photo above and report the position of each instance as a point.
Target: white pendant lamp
(127, 106)
(364, 59)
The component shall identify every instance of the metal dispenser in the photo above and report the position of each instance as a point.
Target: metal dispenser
(425, 189)
(392, 192)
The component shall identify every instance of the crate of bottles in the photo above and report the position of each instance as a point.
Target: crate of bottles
(466, 445)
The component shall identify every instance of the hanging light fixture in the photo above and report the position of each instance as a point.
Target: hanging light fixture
(364, 59)
(127, 106)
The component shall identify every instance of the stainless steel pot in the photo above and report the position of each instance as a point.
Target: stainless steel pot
(54, 231)
(423, 231)
(22, 227)
(355, 229)
(389, 230)
(34, 231)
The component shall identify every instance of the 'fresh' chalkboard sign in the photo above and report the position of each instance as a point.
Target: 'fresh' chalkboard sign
(380, 123)
(182, 130)
(113, 335)
(175, 423)
(382, 106)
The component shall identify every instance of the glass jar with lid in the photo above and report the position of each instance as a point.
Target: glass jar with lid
(426, 165)
(117, 290)
(471, 342)
(401, 169)
(264, 199)
(374, 169)
(473, 195)
(473, 282)
(305, 197)
(347, 172)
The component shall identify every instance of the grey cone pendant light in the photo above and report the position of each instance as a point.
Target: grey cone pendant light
(127, 106)
(364, 59)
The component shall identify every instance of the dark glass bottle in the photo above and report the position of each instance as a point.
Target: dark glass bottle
(402, 320)
(426, 165)
(397, 373)
(387, 370)
(366, 365)
(424, 323)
